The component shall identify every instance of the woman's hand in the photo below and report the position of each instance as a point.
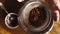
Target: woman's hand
(57, 3)
(54, 5)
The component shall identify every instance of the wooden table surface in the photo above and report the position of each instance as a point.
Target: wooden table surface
(56, 28)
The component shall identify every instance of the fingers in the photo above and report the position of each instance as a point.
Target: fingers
(57, 3)
(57, 16)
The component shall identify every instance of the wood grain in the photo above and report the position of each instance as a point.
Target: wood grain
(56, 28)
